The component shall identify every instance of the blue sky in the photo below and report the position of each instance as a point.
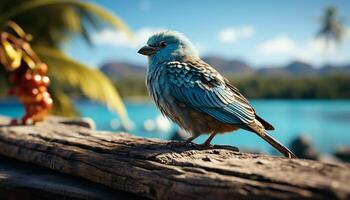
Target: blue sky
(270, 32)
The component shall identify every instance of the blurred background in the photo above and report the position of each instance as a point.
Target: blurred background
(291, 59)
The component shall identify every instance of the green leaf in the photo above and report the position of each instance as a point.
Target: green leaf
(90, 7)
(63, 105)
(56, 20)
(52, 22)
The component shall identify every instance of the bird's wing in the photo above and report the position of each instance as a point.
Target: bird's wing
(200, 86)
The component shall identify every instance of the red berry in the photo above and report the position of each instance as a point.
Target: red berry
(34, 82)
(35, 91)
(42, 89)
(45, 80)
(37, 79)
(46, 102)
(42, 68)
(45, 95)
(27, 77)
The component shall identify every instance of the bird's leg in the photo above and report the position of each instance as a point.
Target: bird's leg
(189, 140)
(207, 142)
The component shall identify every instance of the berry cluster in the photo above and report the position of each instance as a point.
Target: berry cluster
(31, 89)
(27, 75)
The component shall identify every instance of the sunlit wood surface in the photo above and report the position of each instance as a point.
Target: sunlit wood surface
(151, 168)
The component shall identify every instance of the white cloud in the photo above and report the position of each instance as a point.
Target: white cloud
(108, 36)
(314, 50)
(231, 35)
(279, 45)
(318, 51)
(120, 39)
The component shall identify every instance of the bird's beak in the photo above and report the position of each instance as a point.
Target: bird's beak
(147, 50)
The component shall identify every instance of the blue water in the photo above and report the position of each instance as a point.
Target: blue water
(326, 122)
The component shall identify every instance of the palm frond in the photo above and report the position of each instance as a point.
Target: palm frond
(331, 27)
(55, 22)
(56, 19)
(92, 83)
(63, 105)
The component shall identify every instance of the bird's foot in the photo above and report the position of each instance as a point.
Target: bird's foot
(206, 145)
(179, 144)
(174, 143)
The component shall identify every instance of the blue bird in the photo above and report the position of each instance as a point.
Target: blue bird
(194, 95)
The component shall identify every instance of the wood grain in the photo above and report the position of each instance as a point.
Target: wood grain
(20, 180)
(153, 169)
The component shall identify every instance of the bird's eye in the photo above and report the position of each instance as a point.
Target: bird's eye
(162, 44)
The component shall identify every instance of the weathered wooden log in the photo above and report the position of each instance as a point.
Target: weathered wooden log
(20, 180)
(153, 169)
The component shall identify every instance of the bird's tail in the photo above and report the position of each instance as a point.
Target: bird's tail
(280, 147)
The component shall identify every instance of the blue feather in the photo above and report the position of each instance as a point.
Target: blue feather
(205, 92)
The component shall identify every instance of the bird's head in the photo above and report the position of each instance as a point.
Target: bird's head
(168, 46)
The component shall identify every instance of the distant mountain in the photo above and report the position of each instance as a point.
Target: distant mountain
(328, 69)
(300, 68)
(119, 70)
(229, 67)
(295, 68)
(271, 71)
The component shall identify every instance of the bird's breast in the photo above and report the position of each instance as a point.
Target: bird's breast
(159, 89)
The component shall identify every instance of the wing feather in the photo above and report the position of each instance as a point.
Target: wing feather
(198, 85)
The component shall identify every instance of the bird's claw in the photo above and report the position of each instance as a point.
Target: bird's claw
(206, 146)
(179, 144)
